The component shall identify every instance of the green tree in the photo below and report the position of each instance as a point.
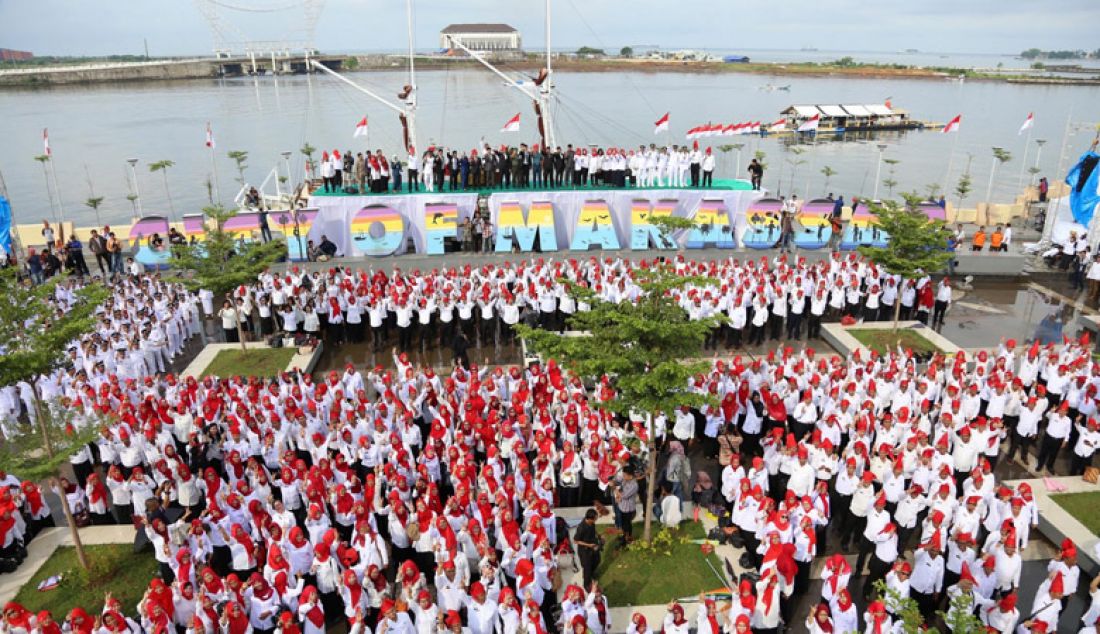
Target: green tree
(351, 63)
(162, 167)
(960, 618)
(34, 338)
(93, 203)
(626, 51)
(794, 162)
(963, 187)
(221, 262)
(933, 190)
(646, 349)
(133, 202)
(307, 151)
(828, 173)
(916, 245)
(588, 50)
(239, 156)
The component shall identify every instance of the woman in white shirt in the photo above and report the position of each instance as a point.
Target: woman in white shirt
(228, 315)
(311, 322)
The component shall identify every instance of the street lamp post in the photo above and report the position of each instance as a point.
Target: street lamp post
(286, 162)
(878, 168)
(992, 173)
(1038, 153)
(133, 176)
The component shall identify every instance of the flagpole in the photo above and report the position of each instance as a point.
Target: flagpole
(950, 162)
(60, 205)
(214, 171)
(1023, 161)
(1048, 224)
(16, 243)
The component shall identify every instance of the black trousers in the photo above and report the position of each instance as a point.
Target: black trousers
(590, 560)
(939, 311)
(1048, 452)
(708, 178)
(694, 174)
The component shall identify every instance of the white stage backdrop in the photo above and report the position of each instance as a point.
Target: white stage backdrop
(548, 221)
(379, 225)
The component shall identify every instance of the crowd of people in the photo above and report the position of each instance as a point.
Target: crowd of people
(770, 299)
(413, 501)
(523, 166)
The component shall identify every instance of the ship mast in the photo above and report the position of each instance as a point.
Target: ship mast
(541, 95)
(406, 108)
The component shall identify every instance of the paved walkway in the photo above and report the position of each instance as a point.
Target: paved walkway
(43, 545)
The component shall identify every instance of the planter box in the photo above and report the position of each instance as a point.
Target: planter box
(840, 337)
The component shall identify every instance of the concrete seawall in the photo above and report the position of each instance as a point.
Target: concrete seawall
(159, 70)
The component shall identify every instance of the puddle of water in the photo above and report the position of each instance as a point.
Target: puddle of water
(364, 357)
(994, 310)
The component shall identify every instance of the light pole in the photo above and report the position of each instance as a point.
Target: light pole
(992, 173)
(286, 163)
(878, 169)
(1038, 153)
(133, 176)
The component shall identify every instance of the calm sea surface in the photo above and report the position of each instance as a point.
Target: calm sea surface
(94, 129)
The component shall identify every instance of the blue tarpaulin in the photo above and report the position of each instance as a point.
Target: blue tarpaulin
(5, 225)
(1084, 187)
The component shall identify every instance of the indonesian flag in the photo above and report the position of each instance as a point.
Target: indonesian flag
(810, 125)
(953, 125)
(512, 125)
(661, 125)
(716, 129)
(729, 130)
(361, 128)
(693, 133)
(209, 136)
(46, 140)
(753, 127)
(1028, 122)
(778, 126)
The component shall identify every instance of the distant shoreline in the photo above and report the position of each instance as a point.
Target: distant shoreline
(48, 76)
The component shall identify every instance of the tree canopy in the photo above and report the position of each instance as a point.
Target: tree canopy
(34, 337)
(916, 244)
(223, 261)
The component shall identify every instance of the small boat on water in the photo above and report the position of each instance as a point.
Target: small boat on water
(842, 118)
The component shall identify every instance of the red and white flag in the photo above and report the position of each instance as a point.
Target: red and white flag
(46, 140)
(512, 125)
(778, 126)
(953, 125)
(209, 136)
(1028, 122)
(810, 125)
(361, 128)
(752, 128)
(661, 125)
(693, 133)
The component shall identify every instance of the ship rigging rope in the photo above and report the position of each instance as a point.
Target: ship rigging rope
(580, 107)
(627, 75)
(236, 7)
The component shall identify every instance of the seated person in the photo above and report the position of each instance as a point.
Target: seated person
(327, 247)
(156, 242)
(175, 237)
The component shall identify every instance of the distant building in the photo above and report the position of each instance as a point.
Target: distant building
(8, 55)
(499, 40)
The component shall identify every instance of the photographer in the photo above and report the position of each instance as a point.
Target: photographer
(588, 543)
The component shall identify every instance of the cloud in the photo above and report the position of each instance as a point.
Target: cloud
(176, 27)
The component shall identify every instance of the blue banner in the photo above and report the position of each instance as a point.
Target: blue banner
(5, 225)
(1084, 187)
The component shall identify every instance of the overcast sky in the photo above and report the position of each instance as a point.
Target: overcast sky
(177, 27)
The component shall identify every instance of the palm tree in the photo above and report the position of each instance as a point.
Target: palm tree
(162, 167)
(133, 202)
(890, 181)
(828, 172)
(1000, 155)
(94, 202)
(44, 159)
(794, 163)
(307, 150)
(240, 156)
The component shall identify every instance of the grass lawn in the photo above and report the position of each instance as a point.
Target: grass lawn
(630, 577)
(115, 569)
(1082, 506)
(251, 362)
(885, 341)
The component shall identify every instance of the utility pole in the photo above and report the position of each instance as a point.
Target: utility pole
(146, 49)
